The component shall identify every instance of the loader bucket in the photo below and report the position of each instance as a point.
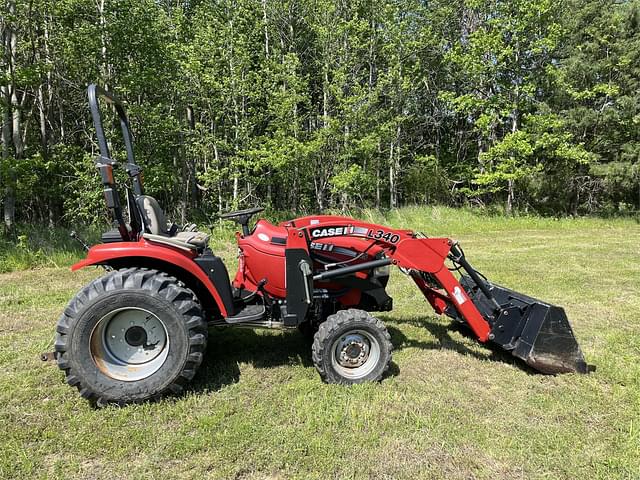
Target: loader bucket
(532, 330)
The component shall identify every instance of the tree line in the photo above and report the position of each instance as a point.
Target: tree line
(305, 105)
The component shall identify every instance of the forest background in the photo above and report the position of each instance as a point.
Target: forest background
(308, 105)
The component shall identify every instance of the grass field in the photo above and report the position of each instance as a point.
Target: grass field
(451, 408)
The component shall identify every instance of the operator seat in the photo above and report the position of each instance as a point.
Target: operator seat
(157, 229)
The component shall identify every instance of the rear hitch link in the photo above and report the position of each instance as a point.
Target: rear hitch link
(49, 356)
(77, 238)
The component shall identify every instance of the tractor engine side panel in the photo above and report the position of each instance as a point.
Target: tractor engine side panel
(262, 257)
(254, 266)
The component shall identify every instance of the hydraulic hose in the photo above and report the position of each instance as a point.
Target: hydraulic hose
(458, 257)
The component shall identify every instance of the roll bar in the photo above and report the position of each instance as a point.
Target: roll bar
(95, 92)
(105, 163)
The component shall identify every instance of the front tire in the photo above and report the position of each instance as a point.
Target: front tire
(351, 347)
(130, 336)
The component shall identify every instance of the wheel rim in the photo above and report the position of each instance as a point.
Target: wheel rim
(355, 354)
(129, 344)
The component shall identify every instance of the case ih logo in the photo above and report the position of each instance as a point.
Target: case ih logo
(323, 247)
(331, 231)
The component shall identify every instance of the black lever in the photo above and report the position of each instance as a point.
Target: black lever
(75, 236)
(457, 256)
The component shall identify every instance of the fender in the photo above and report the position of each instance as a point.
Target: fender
(102, 255)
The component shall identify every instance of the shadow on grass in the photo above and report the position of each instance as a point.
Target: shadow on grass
(229, 347)
(444, 340)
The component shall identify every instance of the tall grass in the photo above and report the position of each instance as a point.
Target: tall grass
(36, 246)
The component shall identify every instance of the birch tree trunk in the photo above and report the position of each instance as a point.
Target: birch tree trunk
(11, 128)
(378, 179)
(392, 177)
(394, 168)
(510, 182)
(266, 30)
(105, 70)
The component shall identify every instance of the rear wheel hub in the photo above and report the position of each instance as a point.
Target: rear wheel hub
(129, 344)
(136, 336)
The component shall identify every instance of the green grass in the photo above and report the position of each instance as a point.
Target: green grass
(451, 408)
(35, 246)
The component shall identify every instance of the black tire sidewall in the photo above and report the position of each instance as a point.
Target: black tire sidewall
(333, 375)
(110, 389)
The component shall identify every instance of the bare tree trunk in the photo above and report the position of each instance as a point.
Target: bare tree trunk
(510, 182)
(510, 196)
(9, 201)
(236, 115)
(378, 184)
(43, 122)
(266, 30)
(371, 56)
(480, 152)
(392, 178)
(11, 131)
(325, 98)
(216, 156)
(296, 171)
(188, 168)
(235, 190)
(6, 97)
(105, 70)
(394, 167)
(61, 119)
(296, 186)
(319, 188)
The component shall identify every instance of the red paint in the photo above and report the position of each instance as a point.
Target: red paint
(103, 253)
(423, 254)
(467, 309)
(262, 255)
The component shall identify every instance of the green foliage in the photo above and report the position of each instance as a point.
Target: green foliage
(321, 105)
(508, 160)
(353, 184)
(426, 181)
(38, 247)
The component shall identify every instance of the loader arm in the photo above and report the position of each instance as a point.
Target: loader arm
(412, 254)
(532, 330)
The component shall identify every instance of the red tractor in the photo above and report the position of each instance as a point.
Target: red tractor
(140, 331)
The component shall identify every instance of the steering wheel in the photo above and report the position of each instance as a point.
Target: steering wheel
(241, 213)
(242, 217)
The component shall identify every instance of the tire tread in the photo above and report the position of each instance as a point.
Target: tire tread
(323, 340)
(158, 283)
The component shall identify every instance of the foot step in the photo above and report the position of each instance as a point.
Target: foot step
(250, 313)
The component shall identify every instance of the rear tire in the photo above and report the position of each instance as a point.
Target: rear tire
(351, 347)
(130, 336)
